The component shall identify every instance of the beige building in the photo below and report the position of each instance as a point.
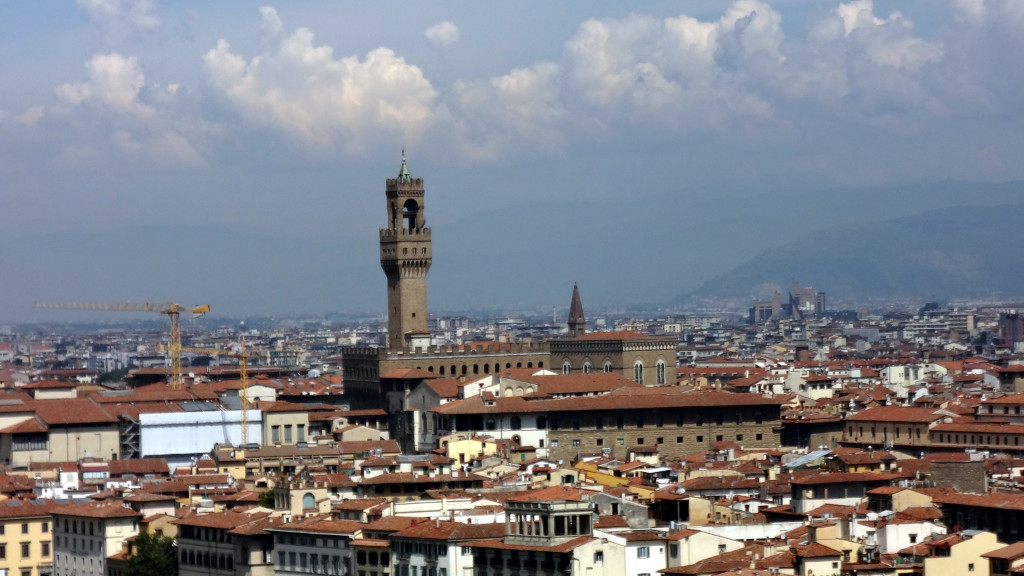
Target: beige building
(226, 544)
(86, 535)
(58, 430)
(26, 537)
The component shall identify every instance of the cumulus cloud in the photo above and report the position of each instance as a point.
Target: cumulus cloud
(301, 89)
(442, 34)
(121, 17)
(521, 106)
(115, 82)
(271, 23)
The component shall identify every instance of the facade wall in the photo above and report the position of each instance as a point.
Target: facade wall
(676, 432)
(81, 545)
(68, 443)
(312, 553)
(27, 544)
(577, 356)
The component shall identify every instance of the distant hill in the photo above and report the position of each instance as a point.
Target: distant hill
(949, 252)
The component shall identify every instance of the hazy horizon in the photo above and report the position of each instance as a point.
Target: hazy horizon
(236, 155)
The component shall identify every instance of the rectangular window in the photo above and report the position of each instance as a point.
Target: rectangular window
(643, 552)
(554, 443)
(288, 434)
(598, 556)
(576, 442)
(46, 527)
(739, 437)
(24, 549)
(700, 438)
(275, 434)
(759, 437)
(301, 436)
(600, 441)
(24, 527)
(659, 441)
(45, 549)
(679, 439)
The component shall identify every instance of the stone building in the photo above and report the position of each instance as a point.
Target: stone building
(406, 256)
(676, 421)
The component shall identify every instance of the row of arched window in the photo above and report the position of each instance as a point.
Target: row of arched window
(453, 370)
(638, 369)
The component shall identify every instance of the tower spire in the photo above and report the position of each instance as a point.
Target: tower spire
(577, 323)
(403, 174)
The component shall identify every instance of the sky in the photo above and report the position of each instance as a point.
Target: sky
(237, 152)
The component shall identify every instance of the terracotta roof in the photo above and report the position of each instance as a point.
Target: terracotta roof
(49, 384)
(621, 335)
(815, 550)
(445, 387)
(838, 478)
(896, 414)
(632, 398)
(71, 411)
(26, 508)
(1014, 551)
(548, 494)
(409, 374)
(989, 500)
(450, 531)
(96, 510)
(561, 548)
(139, 466)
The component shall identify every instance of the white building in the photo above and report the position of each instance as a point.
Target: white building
(85, 535)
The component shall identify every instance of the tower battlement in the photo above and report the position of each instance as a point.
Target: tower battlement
(416, 234)
(399, 183)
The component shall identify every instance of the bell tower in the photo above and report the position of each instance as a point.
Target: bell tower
(405, 256)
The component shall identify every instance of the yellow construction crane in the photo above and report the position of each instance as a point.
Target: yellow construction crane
(243, 370)
(171, 309)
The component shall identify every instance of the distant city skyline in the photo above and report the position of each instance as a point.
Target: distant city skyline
(236, 154)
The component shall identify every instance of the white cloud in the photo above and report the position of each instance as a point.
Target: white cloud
(121, 17)
(270, 22)
(886, 42)
(303, 90)
(521, 106)
(442, 34)
(115, 82)
(31, 116)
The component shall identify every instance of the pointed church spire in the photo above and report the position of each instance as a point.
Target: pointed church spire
(577, 323)
(403, 174)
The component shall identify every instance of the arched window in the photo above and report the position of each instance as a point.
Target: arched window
(566, 367)
(440, 370)
(491, 424)
(607, 365)
(638, 372)
(661, 371)
(587, 367)
(516, 423)
(308, 501)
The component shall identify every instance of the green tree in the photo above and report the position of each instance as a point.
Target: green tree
(155, 555)
(267, 499)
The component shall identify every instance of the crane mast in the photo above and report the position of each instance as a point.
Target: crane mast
(243, 372)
